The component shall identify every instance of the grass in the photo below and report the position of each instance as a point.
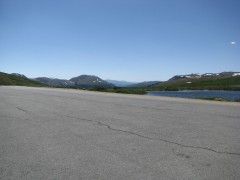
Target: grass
(123, 90)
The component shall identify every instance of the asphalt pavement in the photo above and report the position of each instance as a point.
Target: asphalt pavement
(63, 134)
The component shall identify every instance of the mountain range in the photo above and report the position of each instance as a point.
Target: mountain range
(53, 82)
(83, 81)
(223, 80)
(88, 81)
(207, 81)
(204, 76)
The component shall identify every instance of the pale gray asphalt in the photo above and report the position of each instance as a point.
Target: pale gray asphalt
(69, 134)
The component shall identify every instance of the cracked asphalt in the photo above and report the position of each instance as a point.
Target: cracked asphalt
(48, 133)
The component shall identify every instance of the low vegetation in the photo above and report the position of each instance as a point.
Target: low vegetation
(124, 90)
(9, 79)
(219, 99)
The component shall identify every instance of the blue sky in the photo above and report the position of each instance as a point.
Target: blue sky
(134, 40)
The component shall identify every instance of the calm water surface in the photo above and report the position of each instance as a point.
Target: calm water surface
(228, 95)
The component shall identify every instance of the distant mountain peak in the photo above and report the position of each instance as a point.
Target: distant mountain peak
(89, 81)
(121, 83)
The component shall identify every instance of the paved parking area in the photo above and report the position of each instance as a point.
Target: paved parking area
(70, 134)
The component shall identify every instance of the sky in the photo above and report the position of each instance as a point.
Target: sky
(132, 40)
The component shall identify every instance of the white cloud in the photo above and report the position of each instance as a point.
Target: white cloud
(233, 43)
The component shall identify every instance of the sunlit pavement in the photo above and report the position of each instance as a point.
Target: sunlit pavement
(70, 134)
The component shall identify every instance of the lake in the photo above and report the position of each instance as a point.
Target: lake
(228, 95)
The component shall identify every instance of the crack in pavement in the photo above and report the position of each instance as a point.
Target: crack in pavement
(152, 138)
(158, 139)
(22, 109)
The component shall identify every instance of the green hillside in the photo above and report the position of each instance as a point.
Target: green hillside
(228, 83)
(9, 79)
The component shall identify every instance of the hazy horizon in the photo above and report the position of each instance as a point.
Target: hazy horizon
(130, 40)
